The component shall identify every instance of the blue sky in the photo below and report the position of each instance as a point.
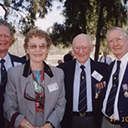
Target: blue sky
(52, 17)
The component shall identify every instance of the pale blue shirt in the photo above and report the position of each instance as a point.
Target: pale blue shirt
(124, 61)
(76, 86)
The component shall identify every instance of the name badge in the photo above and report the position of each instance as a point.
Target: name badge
(97, 76)
(17, 63)
(53, 87)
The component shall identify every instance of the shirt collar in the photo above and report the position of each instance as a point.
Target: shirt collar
(86, 64)
(6, 58)
(124, 59)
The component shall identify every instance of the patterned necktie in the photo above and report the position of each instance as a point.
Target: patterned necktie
(3, 74)
(112, 94)
(82, 107)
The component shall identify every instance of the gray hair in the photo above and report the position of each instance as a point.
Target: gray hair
(116, 28)
(4, 23)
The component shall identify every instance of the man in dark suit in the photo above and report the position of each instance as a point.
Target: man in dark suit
(115, 102)
(6, 61)
(68, 56)
(93, 76)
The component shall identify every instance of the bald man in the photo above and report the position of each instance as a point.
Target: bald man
(84, 82)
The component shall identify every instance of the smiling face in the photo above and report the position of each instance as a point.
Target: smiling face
(5, 40)
(118, 43)
(82, 48)
(37, 49)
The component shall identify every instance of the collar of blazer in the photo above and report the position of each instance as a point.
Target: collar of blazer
(27, 70)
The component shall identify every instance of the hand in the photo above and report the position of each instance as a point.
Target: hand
(45, 126)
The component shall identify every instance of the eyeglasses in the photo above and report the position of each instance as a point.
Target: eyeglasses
(117, 39)
(34, 47)
(28, 97)
(83, 48)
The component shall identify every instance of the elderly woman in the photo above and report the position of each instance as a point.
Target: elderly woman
(35, 96)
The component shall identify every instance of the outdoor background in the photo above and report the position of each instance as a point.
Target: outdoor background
(63, 20)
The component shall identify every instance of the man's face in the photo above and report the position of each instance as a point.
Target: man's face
(118, 43)
(82, 49)
(5, 39)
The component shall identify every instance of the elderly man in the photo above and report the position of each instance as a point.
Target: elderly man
(115, 101)
(6, 60)
(84, 81)
(105, 58)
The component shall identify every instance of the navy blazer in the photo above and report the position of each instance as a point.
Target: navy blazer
(13, 59)
(122, 101)
(69, 71)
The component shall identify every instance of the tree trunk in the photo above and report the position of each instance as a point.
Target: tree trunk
(99, 28)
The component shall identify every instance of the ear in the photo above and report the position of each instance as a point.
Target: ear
(11, 39)
(72, 48)
(108, 45)
(26, 50)
(92, 47)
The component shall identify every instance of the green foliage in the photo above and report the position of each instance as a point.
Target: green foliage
(23, 13)
(93, 17)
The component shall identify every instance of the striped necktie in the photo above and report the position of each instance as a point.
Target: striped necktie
(3, 74)
(113, 91)
(82, 107)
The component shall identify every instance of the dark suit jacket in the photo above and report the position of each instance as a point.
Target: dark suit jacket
(122, 101)
(69, 71)
(14, 59)
(68, 57)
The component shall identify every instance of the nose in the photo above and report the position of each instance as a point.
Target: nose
(37, 48)
(2, 37)
(115, 42)
(80, 50)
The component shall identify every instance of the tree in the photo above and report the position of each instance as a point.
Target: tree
(23, 13)
(92, 17)
(111, 13)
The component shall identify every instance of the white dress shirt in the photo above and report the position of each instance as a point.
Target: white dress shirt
(76, 86)
(124, 61)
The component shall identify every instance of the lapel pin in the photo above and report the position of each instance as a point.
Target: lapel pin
(51, 80)
(82, 77)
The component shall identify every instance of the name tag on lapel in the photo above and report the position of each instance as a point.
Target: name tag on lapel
(97, 75)
(53, 87)
(17, 63)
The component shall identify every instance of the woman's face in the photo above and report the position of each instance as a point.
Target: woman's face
(37, 49)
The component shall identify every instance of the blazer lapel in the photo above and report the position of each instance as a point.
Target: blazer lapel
(27, 82)
(93, 80)
(125, 77)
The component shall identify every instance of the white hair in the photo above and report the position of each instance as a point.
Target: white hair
(116, 28)
(83, 35)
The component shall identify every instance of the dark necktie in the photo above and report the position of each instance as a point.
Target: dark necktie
(104, 59)
(82, 107)
(112, 94)
(3, 74)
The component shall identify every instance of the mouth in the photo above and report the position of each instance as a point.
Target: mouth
(3, 43)
(37, 55)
